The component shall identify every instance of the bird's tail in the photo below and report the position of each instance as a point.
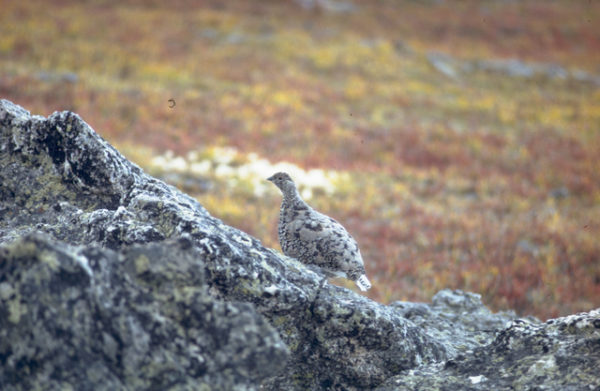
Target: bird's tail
(363, 283)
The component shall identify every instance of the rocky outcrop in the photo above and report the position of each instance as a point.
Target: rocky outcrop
(457, 319)
(560, 354)
(111, 279)
(89, 318)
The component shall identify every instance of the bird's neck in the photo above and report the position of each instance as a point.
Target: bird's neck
(292, 197)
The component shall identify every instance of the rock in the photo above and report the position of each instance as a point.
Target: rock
(517, 68)
(111, 279)
(60, 178)
(527, 247)
(512, 67)
(585, 77)
(333, 6)
(560, 354)
(61, 77)
(443, 63)
(87, 317)
(358, 343)
(457, 319)
(559, 192)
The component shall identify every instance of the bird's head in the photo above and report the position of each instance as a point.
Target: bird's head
(283, 181)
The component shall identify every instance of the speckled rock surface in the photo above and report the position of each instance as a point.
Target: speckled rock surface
(59, 178)
(560, 354)
(88, 318)
(457, 319)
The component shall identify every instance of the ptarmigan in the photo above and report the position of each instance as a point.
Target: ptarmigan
(316, 239)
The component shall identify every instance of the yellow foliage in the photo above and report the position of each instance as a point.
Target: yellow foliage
(506, 113)
(292, 42)
(324, 58)
(554, 222)
(592, 111)
(287, 98)
(554, 115)
(7, 43)
(355, 87)
(418, 87)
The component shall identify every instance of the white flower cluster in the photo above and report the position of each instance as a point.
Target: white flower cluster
(230, 165)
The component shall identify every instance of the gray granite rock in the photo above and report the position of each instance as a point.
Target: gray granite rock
(59, 178)
(89, 318)
(560, 354)
(457, 319)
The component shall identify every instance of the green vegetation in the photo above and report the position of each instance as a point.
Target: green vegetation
(483, 181)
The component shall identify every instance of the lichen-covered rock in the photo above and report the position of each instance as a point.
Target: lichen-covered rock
(457, 319)
(560, 354)
(57, 176)
(90, 318)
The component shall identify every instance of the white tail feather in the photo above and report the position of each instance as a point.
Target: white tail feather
(363, 283)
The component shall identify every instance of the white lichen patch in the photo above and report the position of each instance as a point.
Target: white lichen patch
(477, 379)
(6, 290)
(142, 264)
(208, 245)
(15, 310)
(543, 365)
(83, 262)
(242, 239)
(236, 169)
(49, 259)
(581, 322)
(271, 289)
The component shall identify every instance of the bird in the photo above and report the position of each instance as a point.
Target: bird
(316, 239)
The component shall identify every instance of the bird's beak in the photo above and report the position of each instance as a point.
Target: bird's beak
(271, 178)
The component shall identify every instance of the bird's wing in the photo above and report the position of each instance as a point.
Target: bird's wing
(326, 237)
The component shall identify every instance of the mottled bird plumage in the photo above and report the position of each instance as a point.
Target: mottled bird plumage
(316, 239)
